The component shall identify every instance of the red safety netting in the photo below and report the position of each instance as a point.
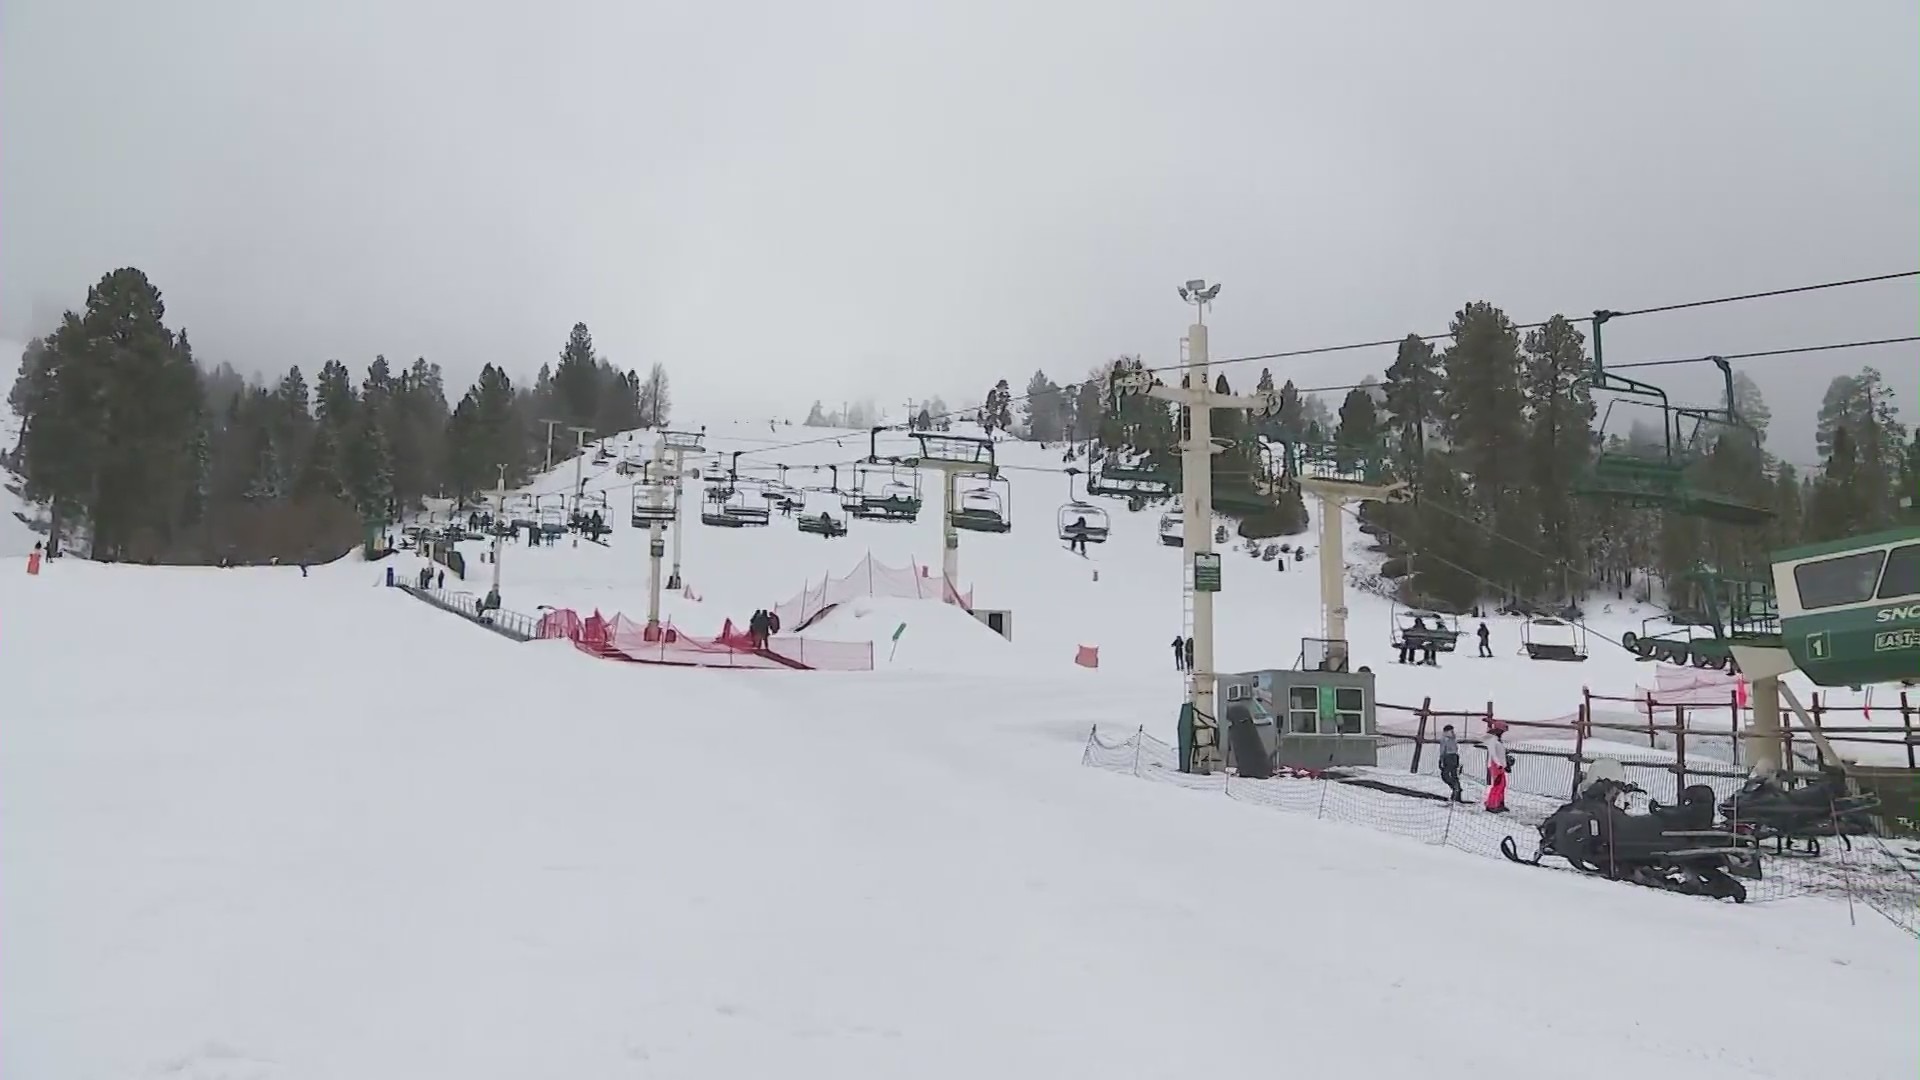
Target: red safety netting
(620, 638)
(870, 578)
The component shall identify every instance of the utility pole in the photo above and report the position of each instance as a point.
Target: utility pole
(579, 456)
(551, 424)
(499, 516)
(1202, 573)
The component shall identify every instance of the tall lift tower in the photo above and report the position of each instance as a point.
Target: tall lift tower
(1198, 399)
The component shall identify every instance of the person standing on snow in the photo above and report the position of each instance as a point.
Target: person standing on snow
(1186, 652)
(1485, 648)
(1450, 762)
(1497, 765)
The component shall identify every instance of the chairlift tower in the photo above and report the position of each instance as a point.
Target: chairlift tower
(656, 547)
(680, 444)
(500, 515)
(952, 456)
(1198, 398)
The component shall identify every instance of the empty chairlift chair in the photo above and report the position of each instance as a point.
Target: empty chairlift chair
(981, 509)
(1547, 638)
(652, 505)
(1173, 525)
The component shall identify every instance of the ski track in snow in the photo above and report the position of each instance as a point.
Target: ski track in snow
(369, 840)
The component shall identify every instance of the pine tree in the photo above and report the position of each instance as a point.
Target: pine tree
(1412, 401)
(656, 403)
(1559, 442)
(996, 412)
(1750, 405)
(333, 396)
(1357, 439)
(1484, 420)
(1042, 409)
(576, 378)
(1839, 504)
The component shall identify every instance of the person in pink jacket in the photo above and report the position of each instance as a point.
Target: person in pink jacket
(1496, 768)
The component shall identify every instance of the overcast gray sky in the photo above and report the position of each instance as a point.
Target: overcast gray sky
(783, 201)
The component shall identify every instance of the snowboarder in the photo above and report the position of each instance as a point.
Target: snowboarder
(1450, 762)
(1498, 762)
(1486, 649)
(757, 629)
(1179, 654)
(1077, 536)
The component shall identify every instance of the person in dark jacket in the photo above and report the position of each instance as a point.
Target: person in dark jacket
(1486, 648)
(1187, 654)
(1450, 762)
(1179, 654)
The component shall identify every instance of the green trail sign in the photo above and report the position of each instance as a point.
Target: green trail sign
(1206, 571)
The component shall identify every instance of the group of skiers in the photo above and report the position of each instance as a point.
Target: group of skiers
(1499, 762)
(1417, 643)
(762, 627)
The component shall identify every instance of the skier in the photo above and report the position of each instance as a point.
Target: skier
(1450, 762)
(1485, 648)
(1498, 761)
(1077, 536)
(1179, 654)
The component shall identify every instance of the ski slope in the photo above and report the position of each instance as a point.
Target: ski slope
(288, 827)
(1124, 598)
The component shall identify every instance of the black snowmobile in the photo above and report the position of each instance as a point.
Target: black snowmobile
(1675, 848)
(1766, 809)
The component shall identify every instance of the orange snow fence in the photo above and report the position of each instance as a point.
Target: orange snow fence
(1088, 656)
(33, 563)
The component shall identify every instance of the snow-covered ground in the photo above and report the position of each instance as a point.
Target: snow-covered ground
(284, 827)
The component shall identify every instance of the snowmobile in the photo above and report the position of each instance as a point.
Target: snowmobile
(1676, 848)
(1766, 809)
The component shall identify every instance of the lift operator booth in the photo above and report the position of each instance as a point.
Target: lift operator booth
(1304, 719)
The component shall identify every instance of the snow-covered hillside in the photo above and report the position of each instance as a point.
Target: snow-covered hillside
(1125, 598)
(372, 841)
(289, 827)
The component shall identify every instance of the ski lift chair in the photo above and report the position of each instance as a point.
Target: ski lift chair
(822, 524)
(1417, 629)
(896, 500)
(981, 509)
(1079, 520)
(746, 509)
(652, 505)
(1173, 528)
(1544, 637)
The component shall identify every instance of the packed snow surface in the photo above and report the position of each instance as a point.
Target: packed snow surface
(254, 824)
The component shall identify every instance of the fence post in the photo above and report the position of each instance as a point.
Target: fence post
(1420, 733)
(1906, 726)
(1819, 722)
(1582, 721)
(1653, 741)
(1679, 751)
(1139, 737)
(1735, 731)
